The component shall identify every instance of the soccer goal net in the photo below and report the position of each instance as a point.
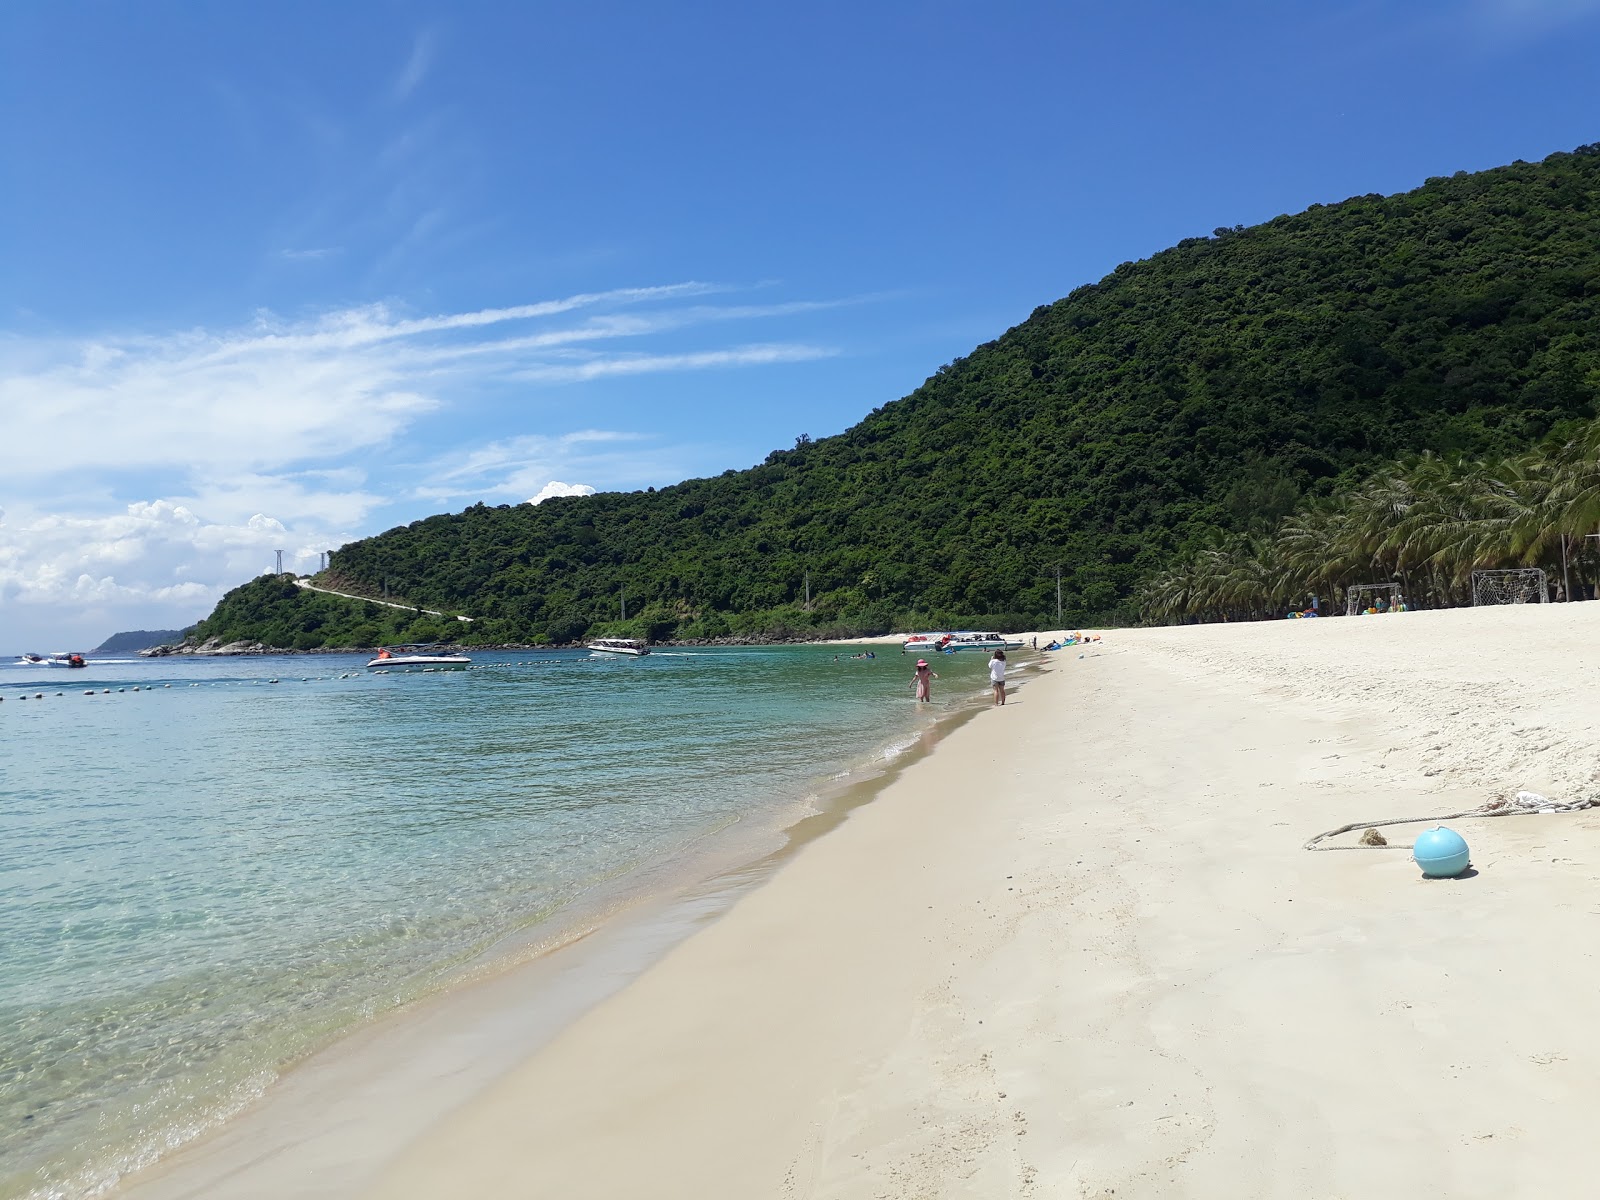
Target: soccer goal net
(1371, 597)
(1524, 586)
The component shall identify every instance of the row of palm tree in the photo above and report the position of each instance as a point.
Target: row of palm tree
(1424, 524)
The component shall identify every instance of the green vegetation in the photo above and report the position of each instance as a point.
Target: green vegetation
(1426, 523)
(273, 610)
(1208, 391)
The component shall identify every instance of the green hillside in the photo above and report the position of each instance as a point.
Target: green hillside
(1211, 389)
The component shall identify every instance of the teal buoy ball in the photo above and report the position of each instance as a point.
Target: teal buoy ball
(1441, 853)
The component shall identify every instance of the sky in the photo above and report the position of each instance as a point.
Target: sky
(274, 277)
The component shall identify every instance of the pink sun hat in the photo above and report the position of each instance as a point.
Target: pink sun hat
(922, 662)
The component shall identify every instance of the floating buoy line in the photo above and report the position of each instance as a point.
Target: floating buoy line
(153, 687)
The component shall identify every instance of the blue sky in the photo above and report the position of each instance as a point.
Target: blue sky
(284, 275)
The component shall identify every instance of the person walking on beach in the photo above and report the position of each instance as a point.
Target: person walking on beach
(997, 676)
(922, 680)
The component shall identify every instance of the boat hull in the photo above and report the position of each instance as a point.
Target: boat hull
(409, 662)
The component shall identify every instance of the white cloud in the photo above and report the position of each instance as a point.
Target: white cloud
(154, 552)
(279, 393)
(556, 488)
(249, 437)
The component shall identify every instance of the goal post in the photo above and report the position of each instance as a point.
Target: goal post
(1380, 597)
(1525, 585)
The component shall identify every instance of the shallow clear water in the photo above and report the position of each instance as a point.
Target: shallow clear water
(202, 882)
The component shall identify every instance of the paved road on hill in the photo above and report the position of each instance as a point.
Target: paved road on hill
(311, 587)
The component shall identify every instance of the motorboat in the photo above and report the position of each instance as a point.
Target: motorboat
(388, 660)
(979, 641)
(924, 643)
(53, 660)
(630, 646)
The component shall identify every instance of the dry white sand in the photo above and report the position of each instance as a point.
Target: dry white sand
(1079, 951)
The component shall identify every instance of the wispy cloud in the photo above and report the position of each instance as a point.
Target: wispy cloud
(641, 364)
(280, 393)
(309, 255)
(519, 467)
(1532, 16)
(416, 65)
(157, 468)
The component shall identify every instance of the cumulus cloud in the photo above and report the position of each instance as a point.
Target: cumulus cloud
(153, 552)
(557, 488)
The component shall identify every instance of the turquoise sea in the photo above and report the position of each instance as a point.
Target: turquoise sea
(208, 878)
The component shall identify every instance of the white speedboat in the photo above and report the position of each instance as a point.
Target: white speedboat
(922, 643)
(979, 641)
(411, 662)
(52, 660)
(630, 646)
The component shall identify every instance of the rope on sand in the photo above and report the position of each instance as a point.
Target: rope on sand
(1521, 805)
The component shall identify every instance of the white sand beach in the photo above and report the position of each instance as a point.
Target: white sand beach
(1080, 951)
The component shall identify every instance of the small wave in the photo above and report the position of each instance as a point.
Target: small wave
(898, 747)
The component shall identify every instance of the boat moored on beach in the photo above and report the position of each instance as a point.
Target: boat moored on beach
(629, 646)
(968, 640)
(922, 643)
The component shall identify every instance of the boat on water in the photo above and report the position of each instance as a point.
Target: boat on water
(629, 646)
(923, 643)
(411, 658)
(52, 660)
(968, 640)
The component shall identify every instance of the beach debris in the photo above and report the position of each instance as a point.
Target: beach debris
(1502, 805)
(1373, 838)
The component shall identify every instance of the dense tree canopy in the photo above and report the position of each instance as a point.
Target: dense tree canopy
(1209, 390)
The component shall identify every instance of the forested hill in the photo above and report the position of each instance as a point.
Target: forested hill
(1208, 387)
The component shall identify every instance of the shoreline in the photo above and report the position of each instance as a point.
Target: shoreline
(258, 650)
(1080, 951)
(508, 1001)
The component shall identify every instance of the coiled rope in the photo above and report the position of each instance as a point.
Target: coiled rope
(1521, 805)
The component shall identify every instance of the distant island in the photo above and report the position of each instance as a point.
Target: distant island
(137, 639)
(1110, 445)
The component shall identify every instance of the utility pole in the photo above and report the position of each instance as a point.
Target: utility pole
(624, 592)
(808, 591)
(1058, 593)
(280, 562)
